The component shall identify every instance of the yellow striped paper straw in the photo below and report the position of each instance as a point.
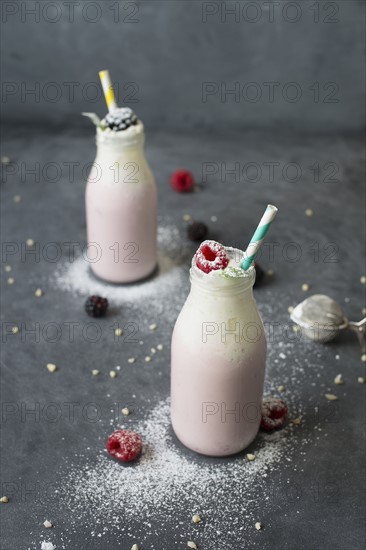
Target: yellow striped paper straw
(108, 90)
(258, 236)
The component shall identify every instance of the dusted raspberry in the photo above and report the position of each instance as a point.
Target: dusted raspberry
(259, 273)
(211, 256)
(274, 413)
(197, 231)
(95, 306)
(182, 181)
(125, 445)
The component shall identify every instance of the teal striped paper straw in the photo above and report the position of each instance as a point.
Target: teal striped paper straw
(257, 239)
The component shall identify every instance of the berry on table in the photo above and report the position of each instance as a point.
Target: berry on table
(274, 413)
(182, 181)
(197, 231)
(125, 445)
(211, 256)
(95, 306)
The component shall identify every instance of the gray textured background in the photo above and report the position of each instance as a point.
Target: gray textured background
(164, 51)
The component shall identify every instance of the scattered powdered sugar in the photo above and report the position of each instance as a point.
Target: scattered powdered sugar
(153, 295)
(114, 505)
(167, 481)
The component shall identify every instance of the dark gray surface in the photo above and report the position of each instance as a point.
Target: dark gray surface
(171, 49)
(333, 460)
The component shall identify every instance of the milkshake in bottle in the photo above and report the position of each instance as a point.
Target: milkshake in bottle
(218, 356)
(121, 199)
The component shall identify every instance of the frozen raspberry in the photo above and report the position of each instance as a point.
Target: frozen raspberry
(125, 445)
(182, 181)
(274, 413)
(259, 273)
(197, 231)
(211, 256)
(95, 306)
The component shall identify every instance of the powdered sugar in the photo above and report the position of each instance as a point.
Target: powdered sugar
(151, 295)
(129, 498)
(146, 503)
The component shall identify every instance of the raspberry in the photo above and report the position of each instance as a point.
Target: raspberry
(259, 273)
(125, 445)
(197, 231)
(274, 413)
(211, 256)
(182, 181)
(95, 306)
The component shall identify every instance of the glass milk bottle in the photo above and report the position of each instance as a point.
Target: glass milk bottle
(121, 202)
(218, 362)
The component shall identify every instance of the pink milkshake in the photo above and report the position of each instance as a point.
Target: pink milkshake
(218, 356)
(121, 202)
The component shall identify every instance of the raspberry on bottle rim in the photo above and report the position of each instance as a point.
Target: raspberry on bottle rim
(211, 256)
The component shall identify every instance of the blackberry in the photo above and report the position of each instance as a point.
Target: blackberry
(197, 231)
(95, 306)
(120, 119)
(259, 273)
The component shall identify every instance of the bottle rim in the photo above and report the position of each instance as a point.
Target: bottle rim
(226, 285)
(134, 135)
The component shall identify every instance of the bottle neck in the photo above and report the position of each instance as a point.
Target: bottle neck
(208, 287)
(132, 138)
